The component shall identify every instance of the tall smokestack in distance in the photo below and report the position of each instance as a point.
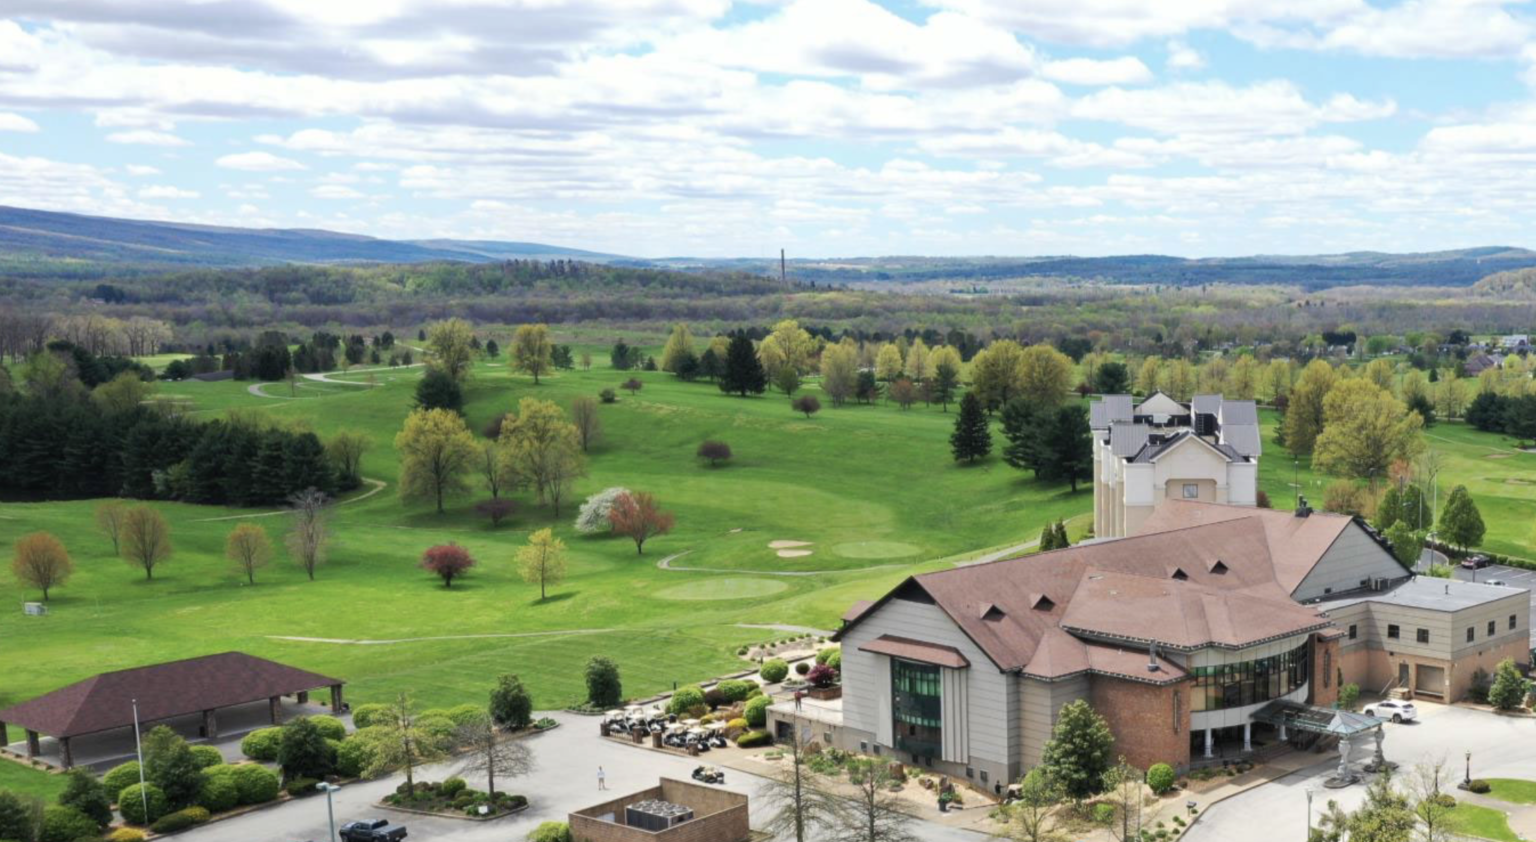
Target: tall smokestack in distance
(783, 275)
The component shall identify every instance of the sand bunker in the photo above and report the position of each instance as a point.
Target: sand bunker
(793, 553)
(787, 545)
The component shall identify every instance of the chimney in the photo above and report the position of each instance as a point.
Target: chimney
(1152, 658)
(1302, 509)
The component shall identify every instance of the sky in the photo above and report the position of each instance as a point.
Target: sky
(828, 128)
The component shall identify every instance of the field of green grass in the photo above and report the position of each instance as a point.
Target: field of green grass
(1481, 822)
(871, 488)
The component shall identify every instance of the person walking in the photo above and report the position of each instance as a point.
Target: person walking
(602, 778)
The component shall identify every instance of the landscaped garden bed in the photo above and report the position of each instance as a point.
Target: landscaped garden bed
(455, 799)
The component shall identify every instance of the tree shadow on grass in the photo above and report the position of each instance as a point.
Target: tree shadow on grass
(556, 597)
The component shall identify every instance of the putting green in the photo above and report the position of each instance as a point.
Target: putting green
(708, 589)
(875, 549)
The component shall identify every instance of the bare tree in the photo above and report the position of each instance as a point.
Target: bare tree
(499, 472)
(584, 415)
(146, 539)
(109, 519)
(1031, 817)
(1433, 805)
(42, 562)
(310, 532)
(247, 546)
(489, 752)
(874, 814)
(402, 744)
(800, 804)
(1123, 783)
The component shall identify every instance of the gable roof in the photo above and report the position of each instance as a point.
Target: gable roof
(1109, 409)
(1152, 452)
(1182, 614)
(176, 688)
(1127, 439)
(1032, 640)
(1297, 543)
(1206, 404)
(1160, 404)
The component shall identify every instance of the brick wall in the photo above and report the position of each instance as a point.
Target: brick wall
(1142, 718)
(1326, 665)
(719, 816)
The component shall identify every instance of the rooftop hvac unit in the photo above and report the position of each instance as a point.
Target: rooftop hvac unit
(1205, 424)
(656, 815)
(1378, 583)
(34, 609)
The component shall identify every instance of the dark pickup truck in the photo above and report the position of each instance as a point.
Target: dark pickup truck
(373, 830)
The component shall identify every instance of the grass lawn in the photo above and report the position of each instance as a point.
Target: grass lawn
(24, 780)
(1482, 822)
(1513, 790)
(871, 488)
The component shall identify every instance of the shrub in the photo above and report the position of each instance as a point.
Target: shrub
(131, 803)
(775, 670)
(207, 756)
(302, 751)
(803, 667)
(354, 755)
(1160, 778)
(511, 705)
(371, 714)
(86, 794)
(465, 714)
(180, 820)
(66, 824)
(330, 727)
(604, 687)
(685, 699)
(545, 723)
(552, 831)
(126, 834)
(736, 689)
(834, 658)
(121, 777)
(300, 786)
(1479, 786)
(218, 792)
(1103, 813)
(1445, 800)
(1349, 696)
(714, 452)
(754, 739)
(822, 675)
(452, 787)
(756, 712)
(256, 784)
(608, 396)
(439, 727)
(262, 744)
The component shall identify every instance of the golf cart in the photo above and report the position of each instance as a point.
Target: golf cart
(709, 775)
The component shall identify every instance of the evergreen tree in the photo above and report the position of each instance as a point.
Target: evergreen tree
(743, 371)
(1508, 690)
(619, 357)
(1486, 412)
(1387, 509)
(302, 751)
(269, 477)
(946, 379)
(438, 389)
(1021, 426)
(170, 765)
(866, 388)
(306, 465)
(1062, 541)
(85, 793)
(972, 438)
(1421, 404)
(1047, 538)
(709, 364)
(1067, 450)
(1079, 751)
(511, 706)
(1460, 522)
(1520, 417)
(18, 816)
(1112, 378)
(492, 349)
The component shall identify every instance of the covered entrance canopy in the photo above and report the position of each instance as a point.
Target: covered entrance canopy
(161, 691)
(1317, 720)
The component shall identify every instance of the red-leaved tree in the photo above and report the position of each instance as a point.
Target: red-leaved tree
(637, 516)
(447, 561)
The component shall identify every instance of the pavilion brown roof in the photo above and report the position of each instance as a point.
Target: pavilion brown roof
(917, 650)
(176, 688)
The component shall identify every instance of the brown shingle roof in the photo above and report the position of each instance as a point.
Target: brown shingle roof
(1181, 613)
(1297, 543)
(177, 688)
(916, 650)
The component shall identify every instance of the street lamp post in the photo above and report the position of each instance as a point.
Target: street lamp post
(1469, 770)
(330, 809)
(1309, 814)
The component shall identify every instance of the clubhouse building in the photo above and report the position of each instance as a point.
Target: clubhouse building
(1213, 630)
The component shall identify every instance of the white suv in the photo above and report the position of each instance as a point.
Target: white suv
(1394, 710)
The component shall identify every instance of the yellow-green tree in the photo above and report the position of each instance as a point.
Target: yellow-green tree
(1243, 379)
(436, 451)
(532, 351)
(888, 362)
(995, 373)
(1147, 375)
(543, 447)
(451, 347)
(1045, 375)
(918, 367)
(1304, 411)
(679, 347)
(772, 358)
(122, 393)
(839, 372)
(1276, 381)
(1176, 378)
(542, 560)
(797, 345)
(1380, 372)
(1212, 377)
(1365, 430)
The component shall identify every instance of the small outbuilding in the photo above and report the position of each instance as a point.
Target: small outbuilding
(679, 811)
(202, 685)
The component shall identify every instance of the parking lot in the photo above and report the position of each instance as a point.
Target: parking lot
(1511, 576)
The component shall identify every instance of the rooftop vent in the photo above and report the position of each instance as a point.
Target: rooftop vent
(1152, 658)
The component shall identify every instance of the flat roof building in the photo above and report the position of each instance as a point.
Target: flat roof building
(671, 811)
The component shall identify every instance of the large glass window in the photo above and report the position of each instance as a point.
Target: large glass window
(916, 706)
(1250, 682)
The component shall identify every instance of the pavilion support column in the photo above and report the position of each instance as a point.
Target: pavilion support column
(302, 697)
(1247, 736)
(33, 747)
(5, 735)
(336, 698)
(275, 709)
(64, 752)
(211, 724)
(1209, 753)
(1282, 732)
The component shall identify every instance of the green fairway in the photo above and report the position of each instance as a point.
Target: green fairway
(1481, 822)
(25, 780)
(871, 490)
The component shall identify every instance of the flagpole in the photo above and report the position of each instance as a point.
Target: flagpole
(138, 749)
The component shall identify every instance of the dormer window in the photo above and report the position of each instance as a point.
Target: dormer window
(1041, 602)
(1219, 568)
(1179, 574)
(989, 611)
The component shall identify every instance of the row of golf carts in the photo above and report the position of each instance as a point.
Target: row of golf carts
(685, 734)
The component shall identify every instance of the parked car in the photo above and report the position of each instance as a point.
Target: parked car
(1397, 711)
(373, 830)
(1499, 582)
(1475, 562)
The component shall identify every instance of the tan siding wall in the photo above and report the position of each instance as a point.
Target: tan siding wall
(1039, 703)
(1352, 559)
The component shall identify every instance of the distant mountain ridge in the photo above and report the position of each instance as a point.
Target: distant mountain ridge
(72, 236)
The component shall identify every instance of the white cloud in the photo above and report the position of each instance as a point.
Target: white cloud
(161, 191)
(16, 123)
(1181, 56)
(1127, 70)
(335, 191)
(258, 162)
(1217, 108)
(142, 169)
(147, 137)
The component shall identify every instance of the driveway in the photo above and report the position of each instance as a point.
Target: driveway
(565, 780)
(1277, 812)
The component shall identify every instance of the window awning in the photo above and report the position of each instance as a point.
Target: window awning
(1318, 720)
(916, 650)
